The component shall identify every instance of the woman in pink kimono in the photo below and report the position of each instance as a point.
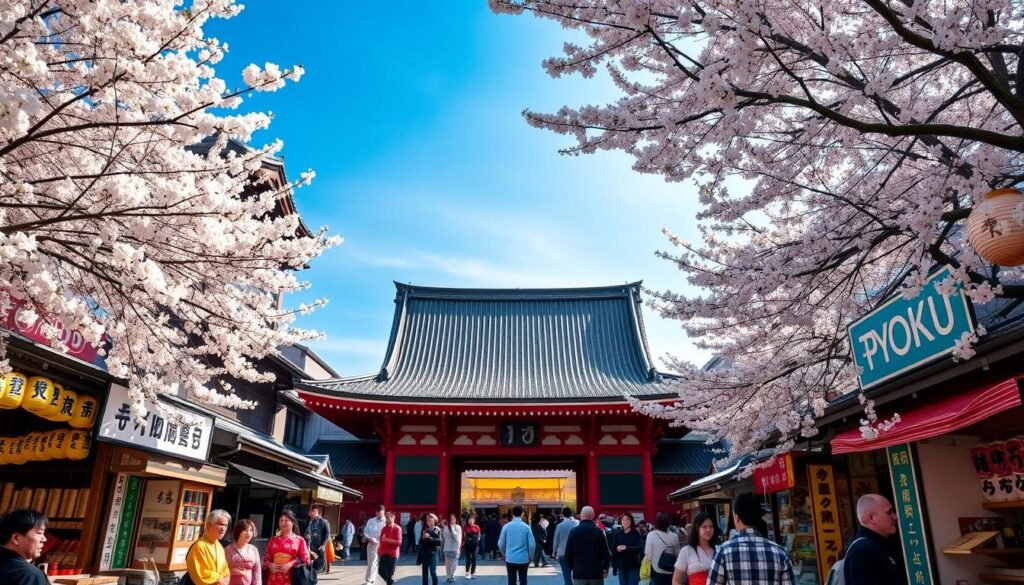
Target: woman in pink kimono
(243, 558)
(285, 551)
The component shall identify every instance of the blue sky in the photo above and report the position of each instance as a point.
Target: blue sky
(410, 115)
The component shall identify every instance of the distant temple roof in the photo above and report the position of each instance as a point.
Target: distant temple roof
(451, 345)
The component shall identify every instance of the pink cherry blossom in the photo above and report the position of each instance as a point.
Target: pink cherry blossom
(118, 219)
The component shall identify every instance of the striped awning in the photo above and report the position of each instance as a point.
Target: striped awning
(937, 418)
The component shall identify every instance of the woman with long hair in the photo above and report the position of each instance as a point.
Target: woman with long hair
(627, 547)
(451, 544)
(694, 562)
(243, 558)
(286, 550)
(430, 541)
(661, 543)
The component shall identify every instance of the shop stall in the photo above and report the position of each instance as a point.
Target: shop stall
(48, 460)
(161, 486)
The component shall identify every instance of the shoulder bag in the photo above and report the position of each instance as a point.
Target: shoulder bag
(303, 574)
(667, 560)
(186, 579)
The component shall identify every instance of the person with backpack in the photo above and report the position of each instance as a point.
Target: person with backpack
(868, 560)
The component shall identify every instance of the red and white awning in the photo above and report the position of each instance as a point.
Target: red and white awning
(937, 418)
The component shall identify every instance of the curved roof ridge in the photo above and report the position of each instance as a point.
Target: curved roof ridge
(553, 293)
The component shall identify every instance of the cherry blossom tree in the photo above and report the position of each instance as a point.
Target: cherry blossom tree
(118, 220)
(836, 147)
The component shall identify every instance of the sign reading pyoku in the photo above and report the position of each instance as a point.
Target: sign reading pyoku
(901, 334)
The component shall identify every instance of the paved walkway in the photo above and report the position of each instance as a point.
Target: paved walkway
(408, 573)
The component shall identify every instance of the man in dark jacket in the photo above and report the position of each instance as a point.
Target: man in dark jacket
(22, 536)
(868, 560)
(319, 532)
(586, 551)
(541, 536)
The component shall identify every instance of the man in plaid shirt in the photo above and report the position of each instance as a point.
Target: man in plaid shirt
(748, 558)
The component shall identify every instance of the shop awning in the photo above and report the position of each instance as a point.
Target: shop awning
(937, 418)
(324, 488)
(266, 479)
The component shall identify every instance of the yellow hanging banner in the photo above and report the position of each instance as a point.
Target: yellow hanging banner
(827, 531)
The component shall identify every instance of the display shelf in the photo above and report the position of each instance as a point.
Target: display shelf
(1001, 578)
(993, 551)
(1003, 505)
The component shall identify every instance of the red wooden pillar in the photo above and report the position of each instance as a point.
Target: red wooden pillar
(389, 478)
(593, 491)
(593, 495)
(648, 473)
(444, 473)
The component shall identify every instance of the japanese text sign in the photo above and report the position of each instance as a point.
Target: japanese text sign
(902, 334)
(175, 431)
(911, 518)
(825, 506)
(518, 434)
(776, 476)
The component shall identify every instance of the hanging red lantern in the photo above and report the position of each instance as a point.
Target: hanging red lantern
(994, 231)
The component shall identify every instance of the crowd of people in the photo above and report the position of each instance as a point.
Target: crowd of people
(586, 549)
(591, 547)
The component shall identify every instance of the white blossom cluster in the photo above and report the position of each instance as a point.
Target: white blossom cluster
(838, 146)
(114, 222)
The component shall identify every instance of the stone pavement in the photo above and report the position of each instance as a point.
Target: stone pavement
(408, 573)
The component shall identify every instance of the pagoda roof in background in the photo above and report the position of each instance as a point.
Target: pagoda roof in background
(504, 346)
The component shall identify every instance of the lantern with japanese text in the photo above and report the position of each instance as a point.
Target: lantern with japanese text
(994, 230)
(13, 390)
(59, 442)
(49, 412)
(983, 467)
(85, 412)
(77, 446)
(5, 457)
(43, 452)
(37, 394)
(28, 448)
(16, 451)
(67, 406)
(1015, 466)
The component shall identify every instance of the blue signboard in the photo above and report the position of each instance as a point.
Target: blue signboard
(907, 505)
(902, 334)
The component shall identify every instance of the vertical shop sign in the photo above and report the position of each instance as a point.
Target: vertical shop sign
(911, 517)
(124, 527)
(825, 507)
(112, 522)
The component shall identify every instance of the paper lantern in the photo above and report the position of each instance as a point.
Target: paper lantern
(13, 390)
(5, 443)
(59, 442)
(37, 394)
(43, 452)
(28, 448)
(67, 406)
(78, 445)
(16, 451)
(49, 412)
(994, 232)
(85, 412)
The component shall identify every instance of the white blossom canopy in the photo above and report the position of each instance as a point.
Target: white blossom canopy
(113, 222)
(837, 145)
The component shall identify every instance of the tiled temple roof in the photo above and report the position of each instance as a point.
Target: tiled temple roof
(502, 345)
